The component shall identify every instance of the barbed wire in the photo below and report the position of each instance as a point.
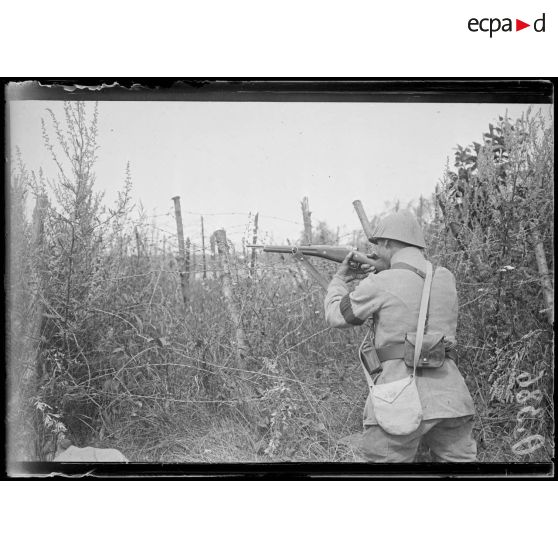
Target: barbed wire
(484, 246)
(250, 214)
(158, 245)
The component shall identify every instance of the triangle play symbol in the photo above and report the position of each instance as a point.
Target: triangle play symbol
(519, 25)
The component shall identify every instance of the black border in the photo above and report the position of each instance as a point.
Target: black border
(438, 90)
(281, 471)
(403, 90)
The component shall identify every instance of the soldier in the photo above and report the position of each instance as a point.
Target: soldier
(392, 299)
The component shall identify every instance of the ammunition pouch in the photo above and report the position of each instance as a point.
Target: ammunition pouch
(369, 357)
(432, 353)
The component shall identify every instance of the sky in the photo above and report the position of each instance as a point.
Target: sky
(227, 159)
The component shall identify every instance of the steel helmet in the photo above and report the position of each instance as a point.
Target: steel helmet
(400, 226)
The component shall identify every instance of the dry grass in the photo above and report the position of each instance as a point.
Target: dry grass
(150, 401)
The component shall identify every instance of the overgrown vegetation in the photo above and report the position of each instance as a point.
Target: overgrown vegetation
(103, 352)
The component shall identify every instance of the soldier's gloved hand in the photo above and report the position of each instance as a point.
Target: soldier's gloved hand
(350, 271)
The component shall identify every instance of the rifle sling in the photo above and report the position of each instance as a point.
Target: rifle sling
(403, 265)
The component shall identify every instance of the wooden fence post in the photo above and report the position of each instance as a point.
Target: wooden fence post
(193, 262)
(301, 260)
(241, 347)
(187, 260)
(137, 242)
(213, 259)
(203, 250)
(312, 271)
(254, 241)
(292, 271)
(306, 217)
(544, 275)
(181, 251)
(366, 226)
(39, 307)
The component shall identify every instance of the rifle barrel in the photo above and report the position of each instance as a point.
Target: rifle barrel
(332, 253)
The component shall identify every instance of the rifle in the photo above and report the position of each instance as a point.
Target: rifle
(331, 253)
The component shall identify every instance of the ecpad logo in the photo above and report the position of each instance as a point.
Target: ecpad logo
(493, 25)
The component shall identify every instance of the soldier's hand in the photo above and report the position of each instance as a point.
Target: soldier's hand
(379, 264)
(350, 271)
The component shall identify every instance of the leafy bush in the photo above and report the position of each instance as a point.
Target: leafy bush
(497, 213)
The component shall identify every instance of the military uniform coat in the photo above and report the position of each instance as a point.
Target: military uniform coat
(392, 299)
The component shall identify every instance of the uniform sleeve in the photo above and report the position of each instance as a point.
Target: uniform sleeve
(344, 308)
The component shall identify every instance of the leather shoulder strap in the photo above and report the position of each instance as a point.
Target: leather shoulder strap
(422, 314)
(403, 265)
(429, 299)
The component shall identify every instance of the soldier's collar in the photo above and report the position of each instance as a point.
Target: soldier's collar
(410, 255)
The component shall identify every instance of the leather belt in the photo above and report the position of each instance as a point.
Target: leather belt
(397, 350)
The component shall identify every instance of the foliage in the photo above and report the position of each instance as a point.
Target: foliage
(497, 205)
(122, 362)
